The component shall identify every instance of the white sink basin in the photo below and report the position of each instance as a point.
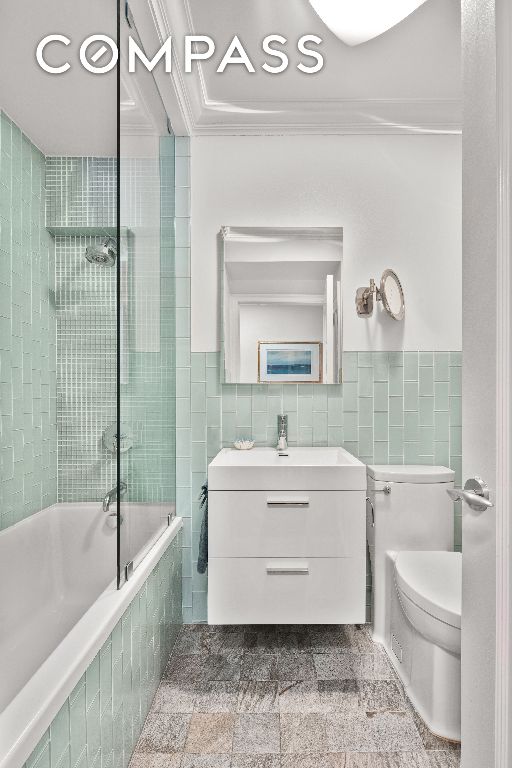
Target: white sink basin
(302, 469)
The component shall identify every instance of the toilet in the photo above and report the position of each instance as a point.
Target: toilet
(417, 585)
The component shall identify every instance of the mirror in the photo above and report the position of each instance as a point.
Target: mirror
(392, 294)
(281, 304)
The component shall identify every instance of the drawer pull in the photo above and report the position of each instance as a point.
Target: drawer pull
(287, 502)
(277, 570)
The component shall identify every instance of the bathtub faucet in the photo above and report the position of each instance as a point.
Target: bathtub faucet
(111, 495)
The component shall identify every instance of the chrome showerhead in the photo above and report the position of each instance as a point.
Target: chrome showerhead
(104, 254)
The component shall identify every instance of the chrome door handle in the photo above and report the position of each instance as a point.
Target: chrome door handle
(475, 493)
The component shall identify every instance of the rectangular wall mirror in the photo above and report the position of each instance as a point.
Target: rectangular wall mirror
(281, 304)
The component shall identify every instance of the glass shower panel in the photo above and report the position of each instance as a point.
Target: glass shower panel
(146, 418)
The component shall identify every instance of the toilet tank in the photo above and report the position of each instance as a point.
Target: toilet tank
(408, 509)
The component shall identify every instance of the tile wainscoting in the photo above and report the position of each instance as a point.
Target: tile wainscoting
(99, 724)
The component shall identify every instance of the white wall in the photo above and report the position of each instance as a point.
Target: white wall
(398, 199)
(280, 323)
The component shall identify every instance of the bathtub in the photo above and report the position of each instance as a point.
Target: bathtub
(59, 603)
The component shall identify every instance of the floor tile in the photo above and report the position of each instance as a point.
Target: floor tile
(295, 640)
(352, 666)
(386, 760)
(210, 734)
(438, 758)
(255, 761)
(304, 733)
(339, 695)
(206, 761)
(185, 668)
(175, 698)
(299, 697)
(156, 760)
(284, 697)
(259, 666)
(164, 733)
(394, 732)
(217, 696)
(430, 741)
(350, 732)
(258, 696)
(223, 639)
(293, 665)
(263, 639)
(223, 666)
(257, 734)
(381, 696)
(313, 761)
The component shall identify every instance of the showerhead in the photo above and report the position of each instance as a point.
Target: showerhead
(104, 254)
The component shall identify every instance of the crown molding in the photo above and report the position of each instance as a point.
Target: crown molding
(193, 111)
(209, 117)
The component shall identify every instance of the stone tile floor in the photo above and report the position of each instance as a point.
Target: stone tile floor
(284, 697)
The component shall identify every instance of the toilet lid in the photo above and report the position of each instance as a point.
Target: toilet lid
(410, 473)
(432, 580)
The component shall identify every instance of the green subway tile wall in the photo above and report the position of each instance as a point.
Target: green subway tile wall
(99, 724)
(393, 407)
(28, 448)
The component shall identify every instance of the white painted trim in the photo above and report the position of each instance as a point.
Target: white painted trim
(258, 234)
(503, 714)
(281, 299)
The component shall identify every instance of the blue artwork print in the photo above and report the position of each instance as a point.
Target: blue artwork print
(291, 362)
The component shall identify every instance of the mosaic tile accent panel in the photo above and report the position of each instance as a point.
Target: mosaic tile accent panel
(28, 447)
(99, 724)
(81, 191)
(86, 369)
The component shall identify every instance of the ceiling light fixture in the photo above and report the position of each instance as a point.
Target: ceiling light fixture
(356, 21)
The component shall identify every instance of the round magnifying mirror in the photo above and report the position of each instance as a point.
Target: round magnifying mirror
(392, 295)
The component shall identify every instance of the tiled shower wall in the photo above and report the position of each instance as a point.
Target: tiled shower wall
(28, 440)
(393, 407)
(99, 724)
(81, 195)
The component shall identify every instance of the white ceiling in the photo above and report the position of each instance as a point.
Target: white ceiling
(406, 80)
(74, 113)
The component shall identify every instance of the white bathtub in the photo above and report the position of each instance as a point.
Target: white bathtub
(59, 603)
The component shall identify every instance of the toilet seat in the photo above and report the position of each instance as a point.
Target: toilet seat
(433, 582)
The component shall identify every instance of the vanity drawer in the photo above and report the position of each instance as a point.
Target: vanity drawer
(286, 524)
(286, 590)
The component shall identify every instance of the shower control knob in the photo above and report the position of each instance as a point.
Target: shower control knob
(475, 493)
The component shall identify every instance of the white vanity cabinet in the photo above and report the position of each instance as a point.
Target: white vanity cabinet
(286, 555)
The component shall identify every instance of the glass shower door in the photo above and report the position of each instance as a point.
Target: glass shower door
(146, 363)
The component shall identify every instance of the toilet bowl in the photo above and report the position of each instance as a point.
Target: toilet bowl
(425, 635)
(429, 586)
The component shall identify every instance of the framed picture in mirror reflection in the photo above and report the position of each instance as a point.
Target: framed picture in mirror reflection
(290, 361)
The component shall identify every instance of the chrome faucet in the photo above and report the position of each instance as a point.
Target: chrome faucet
(282, 433)
(111, 495)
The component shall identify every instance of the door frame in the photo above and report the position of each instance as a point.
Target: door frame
(503, 695)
